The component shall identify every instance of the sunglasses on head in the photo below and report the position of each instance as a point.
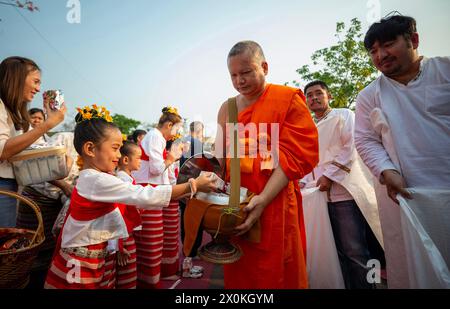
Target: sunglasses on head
(392, 14)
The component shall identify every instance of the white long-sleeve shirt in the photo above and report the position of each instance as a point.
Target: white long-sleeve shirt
(418, 115)
(113, 245)
(153, 171)
(339, 136)
(7, 130)
(102, 187)
(122, 175)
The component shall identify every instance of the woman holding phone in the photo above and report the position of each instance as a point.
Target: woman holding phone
(20, 80)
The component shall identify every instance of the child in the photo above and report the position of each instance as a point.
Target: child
(94, 215)
(126, 276)
(170, 261)
(137, 136)
(154, 171)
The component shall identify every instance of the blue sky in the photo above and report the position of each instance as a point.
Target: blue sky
(137, 56)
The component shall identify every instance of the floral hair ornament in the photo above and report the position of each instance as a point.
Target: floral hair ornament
(93, 112)
(171, 110)
(176, 137)
(80, 162)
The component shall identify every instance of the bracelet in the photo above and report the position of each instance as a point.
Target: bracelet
(192, 187)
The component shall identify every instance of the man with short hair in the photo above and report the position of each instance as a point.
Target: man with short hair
(348, 184)
(278, 260)
(195, 141)
(402, 130)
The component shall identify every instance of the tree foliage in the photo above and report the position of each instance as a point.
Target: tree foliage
(345, 67)
(125, 124)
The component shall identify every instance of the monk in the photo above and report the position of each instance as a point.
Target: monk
(278, 260)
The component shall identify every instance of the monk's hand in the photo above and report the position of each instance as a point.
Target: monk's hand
(255, 209)
(324, 183)
(395, 184)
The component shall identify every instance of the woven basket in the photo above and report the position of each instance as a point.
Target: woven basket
(26, 219)
(15, 264)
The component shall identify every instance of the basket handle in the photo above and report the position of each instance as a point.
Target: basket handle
(27, 201)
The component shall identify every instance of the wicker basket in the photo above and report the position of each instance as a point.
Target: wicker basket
(15, 264)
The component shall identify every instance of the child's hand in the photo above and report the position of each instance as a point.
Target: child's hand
(205, 182)
(123, 257)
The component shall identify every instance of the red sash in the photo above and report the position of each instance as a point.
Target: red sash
(83, 209)
(145, 157)
(130, 215)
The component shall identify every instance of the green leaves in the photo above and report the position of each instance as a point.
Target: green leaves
(345, 66)
(125, 124)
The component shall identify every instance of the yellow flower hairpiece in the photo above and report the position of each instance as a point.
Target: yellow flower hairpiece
(172, 110)
(93, 112)
(80, 162)
(124, 137)
(177, 136)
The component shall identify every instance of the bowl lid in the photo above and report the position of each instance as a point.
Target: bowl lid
(192, 167)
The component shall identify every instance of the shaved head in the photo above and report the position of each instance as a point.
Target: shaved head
(252, 48)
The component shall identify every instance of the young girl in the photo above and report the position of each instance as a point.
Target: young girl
(154, 171)
(94, 215)
(137, 136)
(126, 277)
(170, 263)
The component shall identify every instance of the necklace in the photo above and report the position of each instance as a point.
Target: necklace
(417, 76)
(316, 120)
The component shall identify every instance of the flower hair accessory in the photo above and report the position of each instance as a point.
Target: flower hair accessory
(80, 162)
(170, 110)
(176, 137)
(93, 112)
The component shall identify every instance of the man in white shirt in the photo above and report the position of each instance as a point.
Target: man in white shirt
(348, 184)
(195, 140)
(402, 129)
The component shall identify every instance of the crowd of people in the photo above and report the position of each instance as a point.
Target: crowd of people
(115, 219)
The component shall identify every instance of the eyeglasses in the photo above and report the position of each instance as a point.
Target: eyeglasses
(392, 14)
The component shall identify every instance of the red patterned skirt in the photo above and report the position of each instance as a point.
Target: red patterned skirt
(171, 245)
(149, 248)
(91, 269)
(126, 276)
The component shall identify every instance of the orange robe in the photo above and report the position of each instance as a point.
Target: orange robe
(278, 261)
